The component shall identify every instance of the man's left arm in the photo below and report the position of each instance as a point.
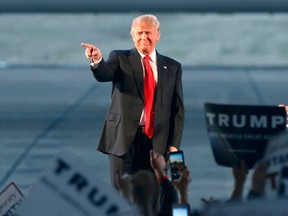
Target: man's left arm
(177, 113)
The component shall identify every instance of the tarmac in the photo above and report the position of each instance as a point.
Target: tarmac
(46, 109)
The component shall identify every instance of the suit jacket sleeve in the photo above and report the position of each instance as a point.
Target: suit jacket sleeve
(106, 71)
(177, 112)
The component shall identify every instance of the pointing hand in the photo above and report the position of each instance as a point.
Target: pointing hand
(92, 52)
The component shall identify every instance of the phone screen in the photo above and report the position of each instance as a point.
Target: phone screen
(180, 210)
(176, 158)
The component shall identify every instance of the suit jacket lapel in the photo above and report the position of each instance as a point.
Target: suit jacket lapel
(162, 76)
(162, 68)
(135, 61)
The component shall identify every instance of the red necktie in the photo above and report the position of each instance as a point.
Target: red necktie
(149, 88)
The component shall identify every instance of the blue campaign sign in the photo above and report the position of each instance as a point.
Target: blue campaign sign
(241, 132)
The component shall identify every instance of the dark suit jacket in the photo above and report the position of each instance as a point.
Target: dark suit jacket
(125, 70)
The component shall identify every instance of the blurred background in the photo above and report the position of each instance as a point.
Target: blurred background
(192, 38)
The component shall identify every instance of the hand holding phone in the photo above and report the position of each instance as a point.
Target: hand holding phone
(176, 159)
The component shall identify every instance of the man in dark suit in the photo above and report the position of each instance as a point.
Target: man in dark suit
(124, 137)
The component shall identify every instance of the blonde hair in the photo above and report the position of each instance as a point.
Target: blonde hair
(146, 18)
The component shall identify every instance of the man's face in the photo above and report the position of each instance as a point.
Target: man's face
(145, 36)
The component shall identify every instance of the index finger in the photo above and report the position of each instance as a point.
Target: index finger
(87, 45)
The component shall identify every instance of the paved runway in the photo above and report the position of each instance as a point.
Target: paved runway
(47, 109)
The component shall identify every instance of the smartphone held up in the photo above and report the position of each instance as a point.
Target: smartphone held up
(180, 209)
(176, 159)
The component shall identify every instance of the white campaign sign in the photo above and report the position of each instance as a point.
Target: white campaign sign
(71, 188)
(276, 156)
(10, 197)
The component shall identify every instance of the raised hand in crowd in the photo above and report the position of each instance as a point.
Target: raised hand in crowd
(283, 105)
(258, 181)
(239, 175)
(169, 192)
(182, 183)
(286, 108)
(158, 164)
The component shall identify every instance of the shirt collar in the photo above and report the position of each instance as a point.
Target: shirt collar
(152, 55)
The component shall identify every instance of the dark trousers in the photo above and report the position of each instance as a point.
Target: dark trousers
(136, 158)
